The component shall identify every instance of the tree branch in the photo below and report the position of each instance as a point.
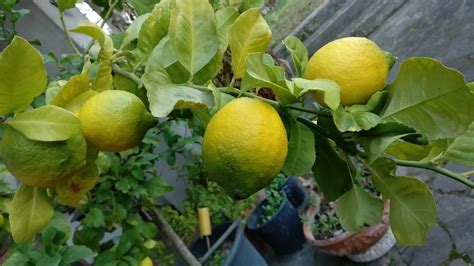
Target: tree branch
(173, 238)
(433, 167)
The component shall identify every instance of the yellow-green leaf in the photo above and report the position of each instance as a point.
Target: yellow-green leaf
(75, 86)
(193, 33)
(249, 34)
(103, 79)
(30, 212)
(66, 4)
(22, 76)
(133, 30)
(47, 123)
(154, 28)
(224, 18)
(79, 100)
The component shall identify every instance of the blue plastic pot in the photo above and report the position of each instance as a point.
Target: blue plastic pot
(283, 232)
(242, 252)
(294, 191)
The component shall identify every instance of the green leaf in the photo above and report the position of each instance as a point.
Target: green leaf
(330, 89)
(94, 218)
(471, 86)
(22, 76)
(53, 89)
(379, 138)
(30, 212)
(154, 28)
(66, 4)
(143, 6)
(330, 170)
(220, 99)
(358, 208)
(164, 96)
(261, 72)
(461, 151)
(301, 151)
(299, 54)
(249, 34)
(74, 253)
(408, 151)
(77, 102)
(360, 117)
(103, 79)
(412, 205)
(354, 122)
(209, 71)
(430, 98)
(224, 18)
(75, 86)
(133, 30)
(247, 4)
(193, 33)
(165, 52)
(47, 123)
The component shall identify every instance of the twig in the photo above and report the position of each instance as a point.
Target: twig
(430, 166)
(128, 75)
(221, 240)
(468, 174)
(173, 238)
(316, 112)
(104, 20)
(66, 31)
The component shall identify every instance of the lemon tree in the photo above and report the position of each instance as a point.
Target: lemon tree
(88, 142)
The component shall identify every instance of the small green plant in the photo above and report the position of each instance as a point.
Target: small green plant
(325, 225)
(272, 205)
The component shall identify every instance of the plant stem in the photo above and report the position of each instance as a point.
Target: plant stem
(104, 20)
(66, 31)
(468, 174)
(174, 239)
(430, 166)
(124, 73)
(316, 112)
(219, 242)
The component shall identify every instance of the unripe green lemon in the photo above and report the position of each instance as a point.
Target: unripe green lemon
(146, 262)
(40, 163)
(356, 64)
(114, 120)
(245, 146)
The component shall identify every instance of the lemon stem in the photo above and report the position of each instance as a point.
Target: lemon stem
(66, 31)
(128, 75)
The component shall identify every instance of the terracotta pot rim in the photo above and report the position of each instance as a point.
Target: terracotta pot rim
(380, 228)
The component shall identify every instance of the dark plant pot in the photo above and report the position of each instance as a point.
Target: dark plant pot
(294, 191)
(283, 232)
(242, 252)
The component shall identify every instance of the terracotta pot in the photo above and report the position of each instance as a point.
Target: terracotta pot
(348, 243)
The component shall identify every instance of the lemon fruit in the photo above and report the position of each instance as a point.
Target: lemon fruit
(114, 120)
(72, 189)
(245, 146)
(38, 163)
(356, 64)
(146, 262)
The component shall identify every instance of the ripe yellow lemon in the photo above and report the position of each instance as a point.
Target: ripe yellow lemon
(356, 64)
(114, 120)
(245, 146)
(39, 163)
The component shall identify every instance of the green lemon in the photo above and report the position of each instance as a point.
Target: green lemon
(146, 262)
(38, 163)
(356, 64)
(245, 146)
(114, 120)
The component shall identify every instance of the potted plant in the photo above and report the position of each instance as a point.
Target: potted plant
(277, 221)
(323, 229)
